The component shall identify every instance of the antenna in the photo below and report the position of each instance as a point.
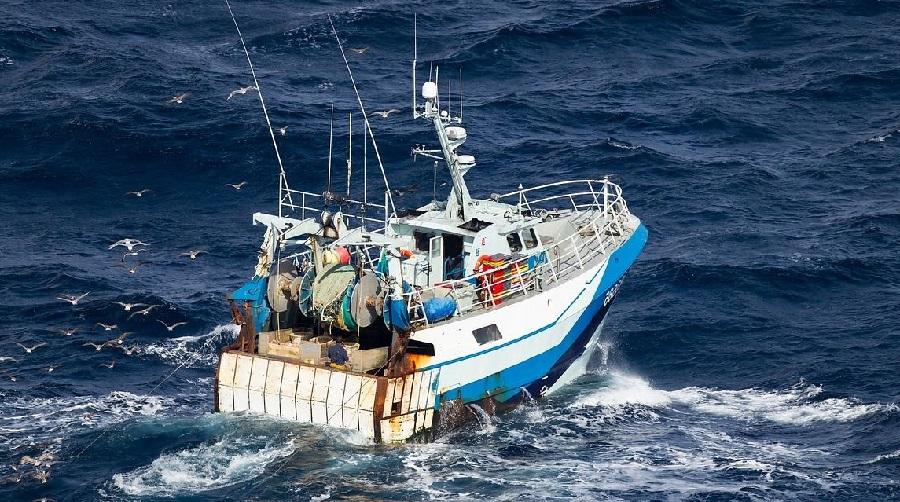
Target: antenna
(460, 94)
(330, 147)
(284, 192)
(365, 178)
(350, 155)
(437, 73)
(387, 186)
(415, 58)
(449, 108)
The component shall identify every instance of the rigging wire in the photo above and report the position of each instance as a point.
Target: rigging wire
(283, 184)
(387, 186)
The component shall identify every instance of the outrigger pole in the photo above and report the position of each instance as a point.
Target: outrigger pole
(284, 191)
(387, 186)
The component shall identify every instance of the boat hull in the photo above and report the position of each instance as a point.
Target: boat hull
(538, 340)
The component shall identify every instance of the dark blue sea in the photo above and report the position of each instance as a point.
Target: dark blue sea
(752, 353)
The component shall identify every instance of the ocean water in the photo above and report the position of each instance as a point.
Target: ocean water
(752, 353)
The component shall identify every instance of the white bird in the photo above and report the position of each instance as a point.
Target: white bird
(128, 306)
(193, 254)
(139, 193)
(29, 350)
(360, 50)
(242, 90)
(108, 365)
(42, 476)
(51, 368)
(68, 331)
(119, 340)
(236, 186)
(173, 326)
(107, 327)
(177, 100)
(145, 311)
(128, 350)
(282, 130)
(98, 346)
(73, 299)
(128, 243)
(385, 114)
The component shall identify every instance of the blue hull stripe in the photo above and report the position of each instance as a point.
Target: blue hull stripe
(508, 382)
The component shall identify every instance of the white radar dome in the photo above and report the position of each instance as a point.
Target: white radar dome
(455, 133)
(429, 90)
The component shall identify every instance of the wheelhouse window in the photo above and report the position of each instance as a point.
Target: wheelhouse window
(515, 242)
(530, 238)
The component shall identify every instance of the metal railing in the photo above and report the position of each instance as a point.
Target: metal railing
(308, 198)
(600, 227)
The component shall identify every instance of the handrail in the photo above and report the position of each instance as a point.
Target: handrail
(599, 235)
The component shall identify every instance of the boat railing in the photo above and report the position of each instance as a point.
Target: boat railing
(314, 202)
(580, 195)
(599, 233)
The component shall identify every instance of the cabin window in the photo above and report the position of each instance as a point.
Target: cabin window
(515, 242)
(489, 333)
(530, 238)
(422, 239)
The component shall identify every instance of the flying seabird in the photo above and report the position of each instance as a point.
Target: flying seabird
(385, 114)
(242, 90)
(128, 306)
(29, 350)
(360, 50)
(98, 346)
(145, 311)
(73, 299)
(193, 254)
(107, 327)
(236, 186)
(139, 193)
(282, 130)
(173, 326)
(177, 100)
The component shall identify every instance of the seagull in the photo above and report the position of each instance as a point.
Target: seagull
(282, 130)
(361, 50)
(98, 346)
(110, 365)
(193, 254)
(173, 326)
(68, 331)
(129, 306)
(73, 299)
(128, 350)
(385, 114)
(42, 476)
(236, 186)
(128, 243)
(139, 193)
(118, 341)
(29, 350)
(242, 90)
(51, 368)
(107, 327)
(144, 311)
(177, 100)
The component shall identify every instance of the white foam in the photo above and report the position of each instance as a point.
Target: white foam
(186, 348)
(205, 467)
(792, 406)
(795, 406)
(894, 455)
(25, 421)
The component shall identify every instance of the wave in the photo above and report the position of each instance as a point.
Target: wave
(28, 421)
(185, 348)
(206, 467)
(798, 405)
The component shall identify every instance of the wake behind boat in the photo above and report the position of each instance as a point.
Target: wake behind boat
(392, 325)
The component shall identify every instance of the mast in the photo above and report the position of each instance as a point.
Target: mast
(350, 156)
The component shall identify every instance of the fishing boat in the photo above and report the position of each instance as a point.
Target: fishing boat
(404, 324)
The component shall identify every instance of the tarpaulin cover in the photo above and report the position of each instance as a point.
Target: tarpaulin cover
(437, 309)
(254, 291)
